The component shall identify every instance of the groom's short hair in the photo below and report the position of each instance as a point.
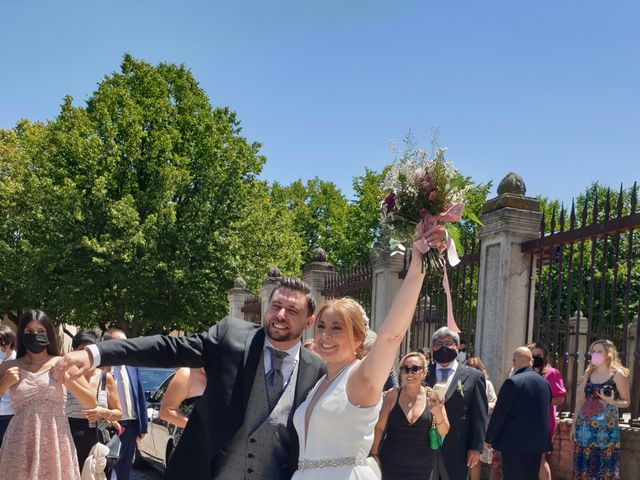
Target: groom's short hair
(297, 285)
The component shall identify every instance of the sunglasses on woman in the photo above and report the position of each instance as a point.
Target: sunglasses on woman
(411, 369)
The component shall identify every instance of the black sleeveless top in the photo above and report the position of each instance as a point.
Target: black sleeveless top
(185, 408)
(405, 452)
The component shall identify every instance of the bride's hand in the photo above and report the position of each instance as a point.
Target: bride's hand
(434, 237)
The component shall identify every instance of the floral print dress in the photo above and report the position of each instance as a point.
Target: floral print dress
(597, 448)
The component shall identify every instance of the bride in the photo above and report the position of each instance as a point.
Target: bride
(335, 424)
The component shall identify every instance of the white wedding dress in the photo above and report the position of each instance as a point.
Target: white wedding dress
(339, 438)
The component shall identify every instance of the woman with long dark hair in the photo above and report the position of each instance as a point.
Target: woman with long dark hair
(41, 445)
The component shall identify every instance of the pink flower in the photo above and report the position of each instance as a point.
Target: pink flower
(433, 195)
(426, 183)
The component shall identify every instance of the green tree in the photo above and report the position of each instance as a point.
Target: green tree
(319, 213)
(139, 205)
(363, 219)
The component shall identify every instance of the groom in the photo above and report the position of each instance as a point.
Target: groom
(256, 378)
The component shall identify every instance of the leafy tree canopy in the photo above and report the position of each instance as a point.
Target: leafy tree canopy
(136, 210)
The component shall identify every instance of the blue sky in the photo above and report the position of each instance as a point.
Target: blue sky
(550, 90)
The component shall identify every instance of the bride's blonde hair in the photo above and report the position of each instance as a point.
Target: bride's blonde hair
(354, 318)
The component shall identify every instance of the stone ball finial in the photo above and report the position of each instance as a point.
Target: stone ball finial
(239, 283)
(319, 255)
(512, 183)
(274, 272)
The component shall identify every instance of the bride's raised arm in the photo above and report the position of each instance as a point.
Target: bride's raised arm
(367, 379)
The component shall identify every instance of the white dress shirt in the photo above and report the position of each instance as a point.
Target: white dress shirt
(453, 366)
(288, 363)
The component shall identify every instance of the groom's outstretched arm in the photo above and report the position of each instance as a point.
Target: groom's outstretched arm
(154, 351)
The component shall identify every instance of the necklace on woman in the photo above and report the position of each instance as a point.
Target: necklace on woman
(410, 404)
(326, 378)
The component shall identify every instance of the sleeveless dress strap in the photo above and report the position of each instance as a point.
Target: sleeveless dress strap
(398, 397)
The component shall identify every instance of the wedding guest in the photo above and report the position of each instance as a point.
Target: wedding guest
(401, 442)
(462, 352)
(7, 352)
(486, 456)
(519, 425)
(184, 391)
(558, 394)
(133, 405)
(240, 428)
(84, 422)
(41, 445)
(596, 432)
(465, 402)
(309, 345)
(427, 353)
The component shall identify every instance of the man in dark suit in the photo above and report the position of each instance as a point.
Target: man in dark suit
(134, 409)
(519, 426)
(256, 377)
(466, 405)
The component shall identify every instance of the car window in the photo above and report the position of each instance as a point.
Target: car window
(152, 378)
(159, 393)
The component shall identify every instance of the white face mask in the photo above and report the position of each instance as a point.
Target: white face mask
(462, 356)
(2, 355)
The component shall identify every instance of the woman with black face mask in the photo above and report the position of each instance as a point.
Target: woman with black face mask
(41, 445)
(558, 394)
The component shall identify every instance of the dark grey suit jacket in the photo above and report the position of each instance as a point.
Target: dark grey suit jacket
(229, 352)
(466, 406)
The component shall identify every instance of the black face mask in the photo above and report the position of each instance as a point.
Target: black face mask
(445, 355)
(538, 362)
(35, 342)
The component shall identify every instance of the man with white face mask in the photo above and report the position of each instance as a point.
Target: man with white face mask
(462, 352)
(7, 352)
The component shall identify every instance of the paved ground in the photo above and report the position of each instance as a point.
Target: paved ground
(150, 474)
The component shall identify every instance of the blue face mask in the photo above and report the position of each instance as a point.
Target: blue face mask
(2, 355)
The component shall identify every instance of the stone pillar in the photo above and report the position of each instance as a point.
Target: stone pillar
(268, 285)
(504, 296)
(315, 274)
(386, 284)
(237, 296)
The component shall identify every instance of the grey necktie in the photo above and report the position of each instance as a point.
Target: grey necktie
(275, 379)
(445, 373)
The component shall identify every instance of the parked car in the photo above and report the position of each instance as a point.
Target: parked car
(157, 445)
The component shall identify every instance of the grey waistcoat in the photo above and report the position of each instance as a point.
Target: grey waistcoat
(260, 448)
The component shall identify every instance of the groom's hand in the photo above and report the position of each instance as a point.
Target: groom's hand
(81, 359)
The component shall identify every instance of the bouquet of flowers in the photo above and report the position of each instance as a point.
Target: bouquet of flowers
(418, 194)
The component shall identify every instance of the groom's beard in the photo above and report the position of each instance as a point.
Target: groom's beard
(292, 332)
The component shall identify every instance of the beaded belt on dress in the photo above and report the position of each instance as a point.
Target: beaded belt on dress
(307, 464)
